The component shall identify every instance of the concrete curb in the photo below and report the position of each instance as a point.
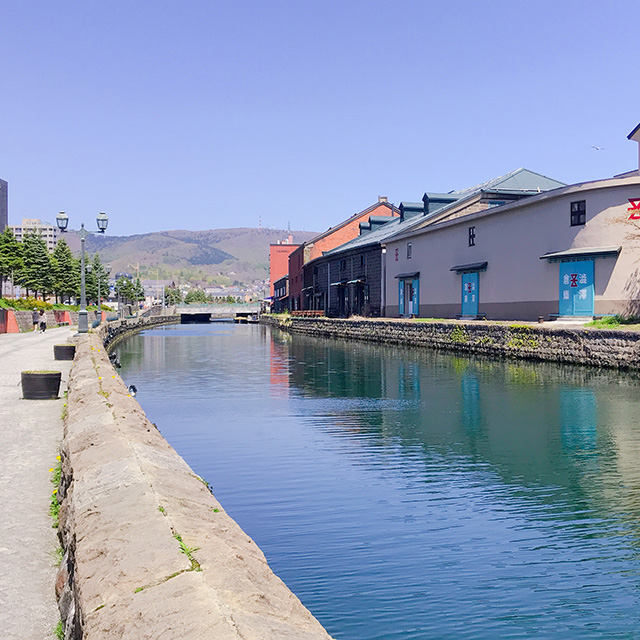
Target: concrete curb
(125, 496)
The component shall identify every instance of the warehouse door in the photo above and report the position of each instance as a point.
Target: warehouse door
(576, 288)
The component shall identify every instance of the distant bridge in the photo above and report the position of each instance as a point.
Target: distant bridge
(197, 313)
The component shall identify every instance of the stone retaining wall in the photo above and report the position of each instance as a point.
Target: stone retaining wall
(148, 550)
(602, 348)
(113, 332)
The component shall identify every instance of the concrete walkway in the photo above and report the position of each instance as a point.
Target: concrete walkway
(31, 432)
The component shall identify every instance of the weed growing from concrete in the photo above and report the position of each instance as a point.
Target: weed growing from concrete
(459, 336)
(57, 554)
(54, 505)
(188, 551)
(204, 482)
(59, 631)
(522, 337)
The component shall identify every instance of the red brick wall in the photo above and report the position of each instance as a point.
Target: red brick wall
(347, 232)
(328, 240)
(279, 262)
(296, 280)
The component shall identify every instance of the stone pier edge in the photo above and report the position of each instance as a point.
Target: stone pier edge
(148, 550)
(616, 349)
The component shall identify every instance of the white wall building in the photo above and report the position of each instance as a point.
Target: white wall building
(572, 251)
(49, 232)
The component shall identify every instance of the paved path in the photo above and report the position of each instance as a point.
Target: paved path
(30, 431)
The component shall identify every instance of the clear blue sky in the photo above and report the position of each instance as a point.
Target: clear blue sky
(199, 114)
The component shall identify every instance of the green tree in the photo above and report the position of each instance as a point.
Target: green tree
(124, 288)
(10, 257)
(66, 271)
(172, 295)
(96, 272)
(195, 296)
(138, 291)
(37, 272)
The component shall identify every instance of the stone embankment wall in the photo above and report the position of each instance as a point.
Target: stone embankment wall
(602, 348)
(148, 550)
(113, 332)
(25, 322)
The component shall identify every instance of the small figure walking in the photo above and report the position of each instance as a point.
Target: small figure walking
(35, 318)
(43, 321)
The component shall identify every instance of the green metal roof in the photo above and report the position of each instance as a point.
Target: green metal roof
(519, 180)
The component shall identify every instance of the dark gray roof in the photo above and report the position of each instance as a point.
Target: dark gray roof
(376, 236)
(587, 252)
(473, 266)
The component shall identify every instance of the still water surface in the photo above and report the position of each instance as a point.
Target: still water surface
(404, 494)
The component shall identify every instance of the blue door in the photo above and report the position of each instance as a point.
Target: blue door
(576, 288)
(470, 291)
(416, 297)
(401, 297)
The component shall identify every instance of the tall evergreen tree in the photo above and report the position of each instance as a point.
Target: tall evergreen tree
(125, 289)
(66, 273)
(10, 257)
(91, 282)
(138, 290)
(37, 272)
(172, 295)
(98, 274)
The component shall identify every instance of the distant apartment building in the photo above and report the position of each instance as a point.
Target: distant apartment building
(4, 205)
(49, 232)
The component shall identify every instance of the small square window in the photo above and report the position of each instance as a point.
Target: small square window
(472, 236)
(578, 213)
(409, 250)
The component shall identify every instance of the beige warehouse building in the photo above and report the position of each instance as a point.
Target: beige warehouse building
(572, 251)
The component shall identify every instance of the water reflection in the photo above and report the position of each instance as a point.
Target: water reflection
(407, 494)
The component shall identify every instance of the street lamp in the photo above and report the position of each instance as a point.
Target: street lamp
(62, 220)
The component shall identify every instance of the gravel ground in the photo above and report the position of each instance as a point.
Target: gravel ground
(31, 434)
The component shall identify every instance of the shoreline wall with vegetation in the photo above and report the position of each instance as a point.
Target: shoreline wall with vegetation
(594, 347)
(148, 550)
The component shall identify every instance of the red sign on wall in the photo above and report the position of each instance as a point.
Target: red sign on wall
(634, 208)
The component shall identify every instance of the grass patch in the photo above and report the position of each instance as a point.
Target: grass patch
(58, 632)
(615, 322)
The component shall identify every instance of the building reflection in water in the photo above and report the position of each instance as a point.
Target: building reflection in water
(530, 423)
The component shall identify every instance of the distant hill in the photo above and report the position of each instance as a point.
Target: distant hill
(217, 256)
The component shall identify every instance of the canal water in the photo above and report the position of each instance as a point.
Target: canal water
(406, 494)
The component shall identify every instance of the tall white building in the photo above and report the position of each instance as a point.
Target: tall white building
(49, 232)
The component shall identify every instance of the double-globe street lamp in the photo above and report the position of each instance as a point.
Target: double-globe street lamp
(102, 220)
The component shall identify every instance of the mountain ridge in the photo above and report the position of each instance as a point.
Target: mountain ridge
(227, 256)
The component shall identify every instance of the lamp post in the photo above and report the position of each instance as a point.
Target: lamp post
(102, 220)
